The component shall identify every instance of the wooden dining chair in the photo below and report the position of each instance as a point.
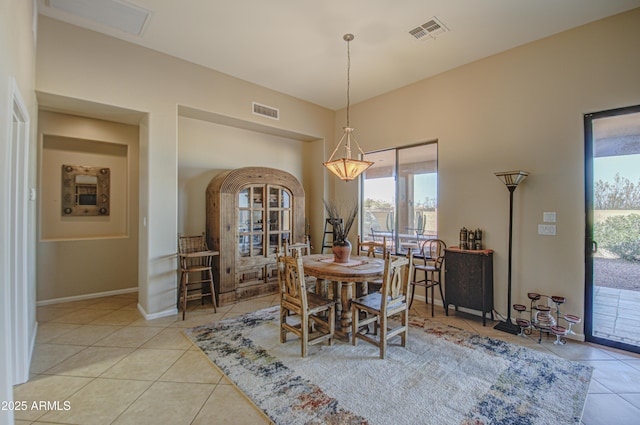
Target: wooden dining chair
(372, 249)
(195, 258)
(305, 314)
(297, 249)
(433, 258)
(378, 307)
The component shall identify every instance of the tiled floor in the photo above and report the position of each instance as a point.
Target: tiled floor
(113, 367)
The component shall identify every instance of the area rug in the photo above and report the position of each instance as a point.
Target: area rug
(444, 376)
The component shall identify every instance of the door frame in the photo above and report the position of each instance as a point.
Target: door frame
(590, 244)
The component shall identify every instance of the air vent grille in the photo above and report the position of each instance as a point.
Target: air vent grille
(430, 29)
(265, 111)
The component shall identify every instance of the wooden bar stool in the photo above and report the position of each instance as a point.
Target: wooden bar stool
(195, 257)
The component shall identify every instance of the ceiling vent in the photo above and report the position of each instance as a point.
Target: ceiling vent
(116, 14)
(430, 29)
(265, 111)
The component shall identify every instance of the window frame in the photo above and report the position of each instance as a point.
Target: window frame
(397, 246)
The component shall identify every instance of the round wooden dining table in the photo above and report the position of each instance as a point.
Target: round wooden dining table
(344, 276)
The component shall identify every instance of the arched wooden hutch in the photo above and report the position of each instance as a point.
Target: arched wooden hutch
(249, 212)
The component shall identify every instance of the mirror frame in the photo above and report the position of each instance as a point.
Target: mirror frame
(69, 205)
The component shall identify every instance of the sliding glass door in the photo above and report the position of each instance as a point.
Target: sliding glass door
(612, 146)
(399, 196)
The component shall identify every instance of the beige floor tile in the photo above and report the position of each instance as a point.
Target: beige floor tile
(49, 331)
(46, 388)
(173, 403)
(81, 316)
(111, 303)
(169, 338)
(118, 317)
(85, 335)
(194, 367)
(99, 402)
(47, 313)
(129, 337)
(228, 406)
(90, 362)
(192, 320)
(45, 356)
(160, 322)
(143, 364)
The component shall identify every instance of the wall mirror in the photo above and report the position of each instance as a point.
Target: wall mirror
(85, 190)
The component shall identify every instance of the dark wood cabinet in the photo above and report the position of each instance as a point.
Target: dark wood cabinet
(469, 279)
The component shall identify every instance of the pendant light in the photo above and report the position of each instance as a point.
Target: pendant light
(346, 168)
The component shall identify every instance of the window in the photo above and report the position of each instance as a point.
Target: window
(399, 196)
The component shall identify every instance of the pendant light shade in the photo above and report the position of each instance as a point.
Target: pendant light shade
(347, 168)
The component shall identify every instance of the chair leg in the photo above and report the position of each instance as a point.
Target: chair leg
(304, 340)
(383, 336)
(444, 304)
(283, 332)
(405, 323)
(184, 288)
(213, 292)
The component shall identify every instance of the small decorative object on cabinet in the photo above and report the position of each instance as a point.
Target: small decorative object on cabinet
(469, 280)
(250, 211)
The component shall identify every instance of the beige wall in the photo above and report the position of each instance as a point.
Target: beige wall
(522, 109)
(205, 149)
(74, 63)
(87, 255)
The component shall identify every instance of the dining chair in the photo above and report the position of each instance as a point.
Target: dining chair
(379, 307)
(297, 249)
(195, 258)
(372, 249)
(309, 316)
(432, 251)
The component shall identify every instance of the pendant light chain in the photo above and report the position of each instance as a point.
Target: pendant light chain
(348, 77)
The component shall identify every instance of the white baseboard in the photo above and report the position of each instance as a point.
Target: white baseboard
(86, 296)
(147, 316)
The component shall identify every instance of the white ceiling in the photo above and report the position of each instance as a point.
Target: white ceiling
(296, 46)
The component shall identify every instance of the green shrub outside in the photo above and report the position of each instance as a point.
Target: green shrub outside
(620, 235)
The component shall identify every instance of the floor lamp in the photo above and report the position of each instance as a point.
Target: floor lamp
(511, 179)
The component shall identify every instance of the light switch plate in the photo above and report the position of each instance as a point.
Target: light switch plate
(549, 217)
(547, 229)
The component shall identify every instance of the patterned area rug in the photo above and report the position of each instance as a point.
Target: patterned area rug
(444, 376)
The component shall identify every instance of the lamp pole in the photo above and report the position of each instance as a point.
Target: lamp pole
(511, 179)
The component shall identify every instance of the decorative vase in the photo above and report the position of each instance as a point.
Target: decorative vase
(341, 251)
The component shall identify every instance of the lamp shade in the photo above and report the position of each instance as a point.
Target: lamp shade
(511, 178)
(347, 169)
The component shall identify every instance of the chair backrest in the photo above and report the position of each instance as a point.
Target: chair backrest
(433, 249)
(371, 248)
(188, 244)
(291, 280)
(297, 249)
(395, 283)
(191, 244)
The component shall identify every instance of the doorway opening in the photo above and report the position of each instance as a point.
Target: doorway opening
(612, 197)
